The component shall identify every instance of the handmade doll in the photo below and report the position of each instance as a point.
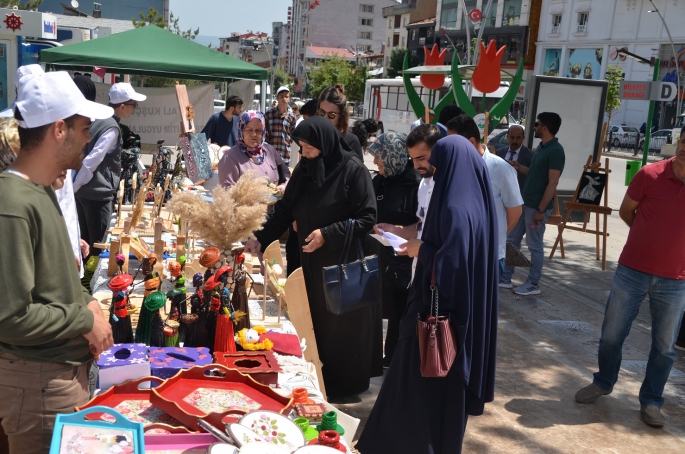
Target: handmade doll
(248, 339)
(240, 293)
(119, 319)
(212, 294)
(224, 337)
(178, 307)
(196, 321)
(208, 258)
(150, 324)
(152, 281)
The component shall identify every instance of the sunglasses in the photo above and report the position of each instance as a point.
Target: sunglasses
(134, 104)
(537, 123)
(331, 115)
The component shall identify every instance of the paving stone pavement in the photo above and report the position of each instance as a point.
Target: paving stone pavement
(547, 350)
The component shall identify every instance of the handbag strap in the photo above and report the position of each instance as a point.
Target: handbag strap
(434, 292)
(349, 234)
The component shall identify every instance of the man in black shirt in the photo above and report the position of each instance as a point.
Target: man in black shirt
(222, 127)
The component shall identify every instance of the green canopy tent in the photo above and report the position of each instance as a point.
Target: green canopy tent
(152, 51)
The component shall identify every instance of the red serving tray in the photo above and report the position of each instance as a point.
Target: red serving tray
(191, 395)
(134, 404)
(261, 365)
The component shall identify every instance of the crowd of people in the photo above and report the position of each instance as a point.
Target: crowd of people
(455, 202)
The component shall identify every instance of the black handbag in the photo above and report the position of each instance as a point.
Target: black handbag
(351, 286)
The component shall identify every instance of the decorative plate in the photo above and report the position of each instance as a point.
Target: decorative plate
(241, 435)
(275, 428)
(223, 448)
(262, 448)
(213, 392)
(134, 403)
(316, 449)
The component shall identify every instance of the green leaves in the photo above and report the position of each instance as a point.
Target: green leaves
(336, 70)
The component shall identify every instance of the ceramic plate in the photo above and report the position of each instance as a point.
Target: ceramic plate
(242, 435)
(263, 448)
(275, 428)
(223, 448)
(315, 449)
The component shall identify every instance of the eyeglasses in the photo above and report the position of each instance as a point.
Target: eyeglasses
(135, 104)
(331, 115)
(256, 132)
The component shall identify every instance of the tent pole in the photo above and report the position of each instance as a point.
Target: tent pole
(262, 101)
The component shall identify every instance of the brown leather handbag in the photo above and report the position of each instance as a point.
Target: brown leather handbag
(437, 339)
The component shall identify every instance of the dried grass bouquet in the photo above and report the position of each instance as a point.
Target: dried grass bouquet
(233, 216)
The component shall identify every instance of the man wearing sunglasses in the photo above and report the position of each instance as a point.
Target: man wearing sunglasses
(97, 181)
(542, 178)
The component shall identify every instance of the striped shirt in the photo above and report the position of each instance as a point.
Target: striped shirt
(279, 129)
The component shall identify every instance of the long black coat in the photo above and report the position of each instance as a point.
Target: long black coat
(348, 344)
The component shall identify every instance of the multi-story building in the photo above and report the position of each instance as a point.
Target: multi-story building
(281, 44)
(398, 17)
(255, 48)
(419, 34)
(107, 9)
(580, 38)
(350, 24)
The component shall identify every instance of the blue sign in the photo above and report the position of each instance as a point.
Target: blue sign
(49, 27)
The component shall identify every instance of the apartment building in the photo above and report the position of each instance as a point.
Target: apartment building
(399, 18)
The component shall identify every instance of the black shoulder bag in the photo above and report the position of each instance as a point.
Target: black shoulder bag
(350, 286)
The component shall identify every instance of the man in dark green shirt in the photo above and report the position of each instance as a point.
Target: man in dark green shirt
(50, 327)
(538, 200)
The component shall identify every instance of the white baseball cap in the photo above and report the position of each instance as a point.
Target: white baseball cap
(46, 98)
(26, 70)
(282, 88)
(122, 92)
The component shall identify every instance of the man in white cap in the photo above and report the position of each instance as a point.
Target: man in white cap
(50, 327)
(280, 124)
(23, 72)
(97, 181)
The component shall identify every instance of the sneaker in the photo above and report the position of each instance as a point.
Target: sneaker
(679, 345)
(505, 284)
(386, 362)
(651, 414)
(527, 288)
(591, 393)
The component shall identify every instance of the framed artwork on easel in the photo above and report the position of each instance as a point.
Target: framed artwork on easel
(591, 188)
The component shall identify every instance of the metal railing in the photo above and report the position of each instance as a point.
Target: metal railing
(555, 30)
(582, 28)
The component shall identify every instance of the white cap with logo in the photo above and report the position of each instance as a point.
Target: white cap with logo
(46, 98)
(122, 92)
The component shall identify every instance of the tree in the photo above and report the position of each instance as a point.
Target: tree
(614, 75)
(154, 18)
(280, 78)
(354, 90)
(29, 5)
(397, 61)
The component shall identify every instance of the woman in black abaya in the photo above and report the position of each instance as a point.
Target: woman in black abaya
(416, 415)
(329, 186)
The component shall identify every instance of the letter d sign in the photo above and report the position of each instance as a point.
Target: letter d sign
(663, 91)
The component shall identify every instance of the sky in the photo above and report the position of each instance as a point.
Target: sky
(221, 17)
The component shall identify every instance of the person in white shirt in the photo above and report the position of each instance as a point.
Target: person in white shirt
(419, 122)
(97, 181)
(508, 200)
(420, 142)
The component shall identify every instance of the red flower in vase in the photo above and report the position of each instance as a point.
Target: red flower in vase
(433, 58)
(486, 77)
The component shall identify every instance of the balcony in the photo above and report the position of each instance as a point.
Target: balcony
(581, 29)
(555, 30)
(403, 8)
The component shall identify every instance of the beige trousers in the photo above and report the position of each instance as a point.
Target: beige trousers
(32, 393)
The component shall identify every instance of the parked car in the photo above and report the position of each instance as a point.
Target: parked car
(658, 140)
(219, 105)
(622, 136)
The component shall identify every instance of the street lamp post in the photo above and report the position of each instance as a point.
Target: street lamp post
(675, 56)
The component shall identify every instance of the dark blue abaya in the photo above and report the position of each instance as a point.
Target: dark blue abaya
(416, 415)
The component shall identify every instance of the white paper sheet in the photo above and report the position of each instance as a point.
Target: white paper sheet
(389, 239)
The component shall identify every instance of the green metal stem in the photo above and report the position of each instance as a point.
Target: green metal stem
(650, 116)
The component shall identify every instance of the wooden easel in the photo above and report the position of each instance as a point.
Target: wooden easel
(603, 210)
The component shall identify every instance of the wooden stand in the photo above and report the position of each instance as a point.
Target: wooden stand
(598, 210)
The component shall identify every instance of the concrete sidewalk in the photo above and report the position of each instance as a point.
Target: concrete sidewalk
(547, 350)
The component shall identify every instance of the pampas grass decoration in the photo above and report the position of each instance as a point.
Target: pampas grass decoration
(233, 216)
(140, 202)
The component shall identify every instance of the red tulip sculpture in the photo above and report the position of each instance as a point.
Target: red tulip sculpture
(486, 77)
(433, 58)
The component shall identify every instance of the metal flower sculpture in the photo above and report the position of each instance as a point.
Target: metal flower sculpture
(486, 77)
(433, 58)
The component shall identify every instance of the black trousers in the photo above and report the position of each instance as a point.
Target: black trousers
(93, 219)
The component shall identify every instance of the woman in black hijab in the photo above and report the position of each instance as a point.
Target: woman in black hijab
(417, 415)
(329, 186)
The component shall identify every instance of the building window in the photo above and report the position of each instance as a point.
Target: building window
(389, 23)
(404, 22)
(366, 8)
(511, 14)
(403, 43)
(556, 24)
(364, 35)
(302, 45)
(368, 22)
(582, 22)
(448, 18)
(388, 41)
(412, 35)
(465, 22)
